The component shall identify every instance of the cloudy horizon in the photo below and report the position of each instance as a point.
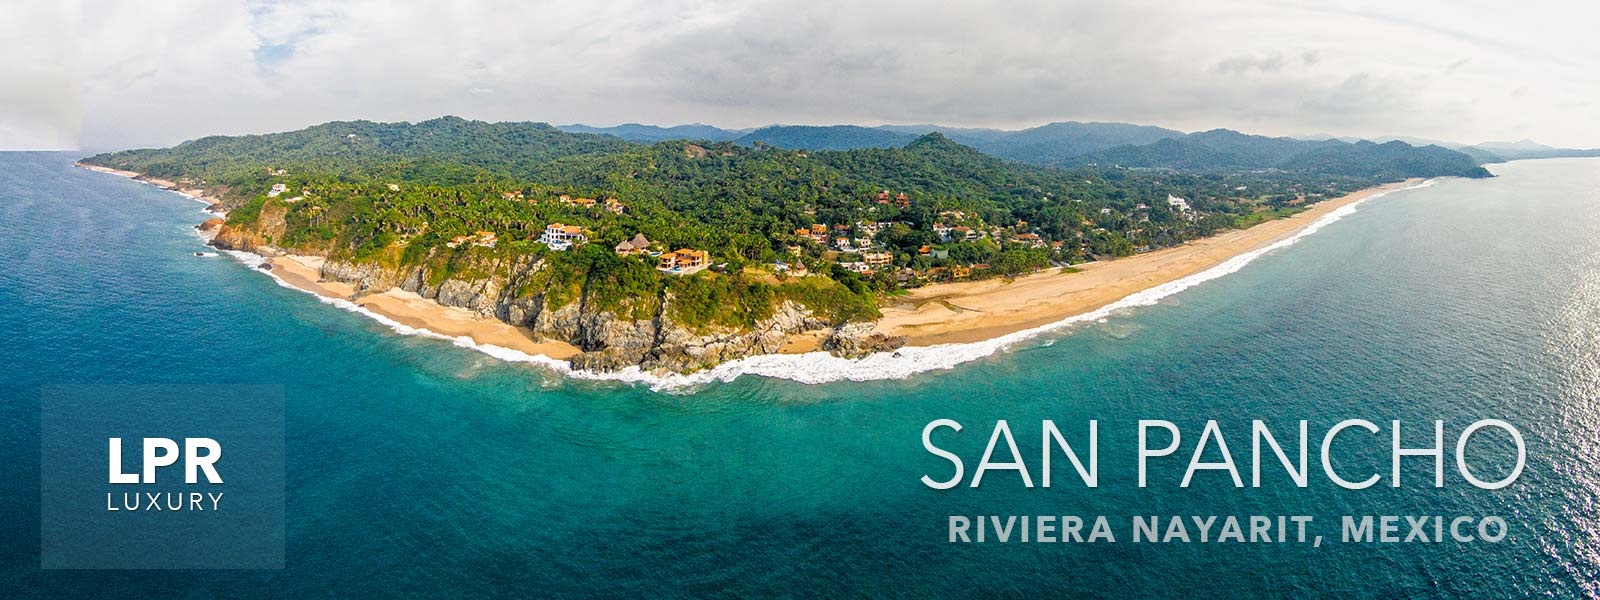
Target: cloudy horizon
(106, 75)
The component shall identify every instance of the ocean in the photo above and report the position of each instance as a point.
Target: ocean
(417, 468)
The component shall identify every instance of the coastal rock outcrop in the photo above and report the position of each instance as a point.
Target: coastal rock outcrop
(503, 289)
(366, 278)
(268, 228)
(684, 349)
(856, 340)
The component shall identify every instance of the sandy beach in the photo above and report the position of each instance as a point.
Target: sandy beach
(128, 174)
(412, 310)
(980, 310)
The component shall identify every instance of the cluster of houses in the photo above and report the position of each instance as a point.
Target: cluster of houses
(683, 261)
(953, 226)
(870, 262)
(611, 205)
(901, 199)
(936, 274)
(817, 233)
(840, 236)
(862, 254)
(561, 237)
(959, 233)
(482, 239)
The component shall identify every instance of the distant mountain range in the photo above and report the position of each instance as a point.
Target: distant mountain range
(1527, 149)
(830, 137)
(1072, 143)
(1227, 149)
(1486, 152)
(1041, 145)
(650, 134)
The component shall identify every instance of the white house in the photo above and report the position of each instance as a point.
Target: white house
(559, 236)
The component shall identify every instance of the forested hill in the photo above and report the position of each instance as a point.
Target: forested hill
(747, 201)
(1052, 143)
(443, 150)
(1223, 149)
(535, 220)
(832, 137)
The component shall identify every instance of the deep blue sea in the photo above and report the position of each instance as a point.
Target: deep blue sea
(419, 469)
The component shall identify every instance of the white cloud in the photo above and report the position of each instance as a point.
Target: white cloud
(157, 73)
(39, 101)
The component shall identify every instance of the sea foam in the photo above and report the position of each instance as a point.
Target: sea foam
(821, 367)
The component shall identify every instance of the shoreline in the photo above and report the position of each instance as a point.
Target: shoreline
(172, 186)
(947, 324)
(303, 273)
(977, 311)
(414, 311)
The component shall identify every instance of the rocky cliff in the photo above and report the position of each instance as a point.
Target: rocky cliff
(508, 289)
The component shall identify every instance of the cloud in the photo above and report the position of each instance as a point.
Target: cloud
(40, 106)
(158, 73)
(1244, 64)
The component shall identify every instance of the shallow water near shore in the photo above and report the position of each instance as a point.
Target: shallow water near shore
(417, 468)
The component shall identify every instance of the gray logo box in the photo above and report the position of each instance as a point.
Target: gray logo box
(235, 524)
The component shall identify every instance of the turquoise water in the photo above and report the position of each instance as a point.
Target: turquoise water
(419, 469)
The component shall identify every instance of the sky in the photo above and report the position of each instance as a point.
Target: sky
(103, 75)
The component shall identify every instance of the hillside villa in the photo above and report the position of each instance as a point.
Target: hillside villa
(1179, 203)
(559, 236)
(638, 245)
(877, 260)
(683, 261)
(817, 233)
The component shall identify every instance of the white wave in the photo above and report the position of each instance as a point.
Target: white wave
(821, 367)
(256, 261)
(208, 203)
